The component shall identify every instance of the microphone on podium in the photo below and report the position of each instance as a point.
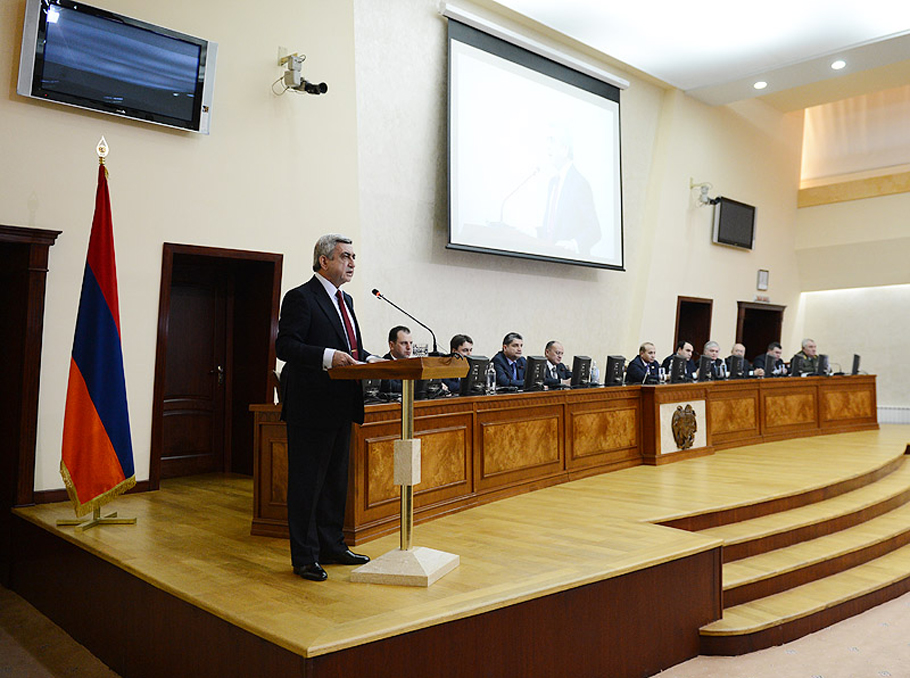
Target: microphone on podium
(377, 294)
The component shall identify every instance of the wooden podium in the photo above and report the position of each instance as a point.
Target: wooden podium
(406, 566)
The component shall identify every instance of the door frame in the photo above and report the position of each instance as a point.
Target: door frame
(707, 306)
(258, 347)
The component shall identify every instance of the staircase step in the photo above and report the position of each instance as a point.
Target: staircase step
(791, 614)
(770, 532)
(768, 573)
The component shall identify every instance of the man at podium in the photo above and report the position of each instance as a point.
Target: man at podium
(318, 330)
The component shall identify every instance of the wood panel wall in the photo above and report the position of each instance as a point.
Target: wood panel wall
(480, 449)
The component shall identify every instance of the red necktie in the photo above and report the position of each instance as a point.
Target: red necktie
(349, 328)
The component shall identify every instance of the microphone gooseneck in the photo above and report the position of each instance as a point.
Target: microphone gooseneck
(378, 295)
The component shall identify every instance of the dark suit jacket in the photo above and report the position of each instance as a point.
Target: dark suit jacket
(504, 370)
(307, 326)
(576, 216)
(638, 369)
(562, 372)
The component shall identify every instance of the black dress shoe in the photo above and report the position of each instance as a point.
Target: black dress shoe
(346, 557)
(311, 571)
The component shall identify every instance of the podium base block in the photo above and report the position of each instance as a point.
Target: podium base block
(418, 567)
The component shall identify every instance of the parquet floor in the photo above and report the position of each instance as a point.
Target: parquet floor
(192, 540)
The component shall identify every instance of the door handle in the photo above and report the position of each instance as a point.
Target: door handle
(219, 370)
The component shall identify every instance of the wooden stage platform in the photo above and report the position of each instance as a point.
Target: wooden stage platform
(575, 579)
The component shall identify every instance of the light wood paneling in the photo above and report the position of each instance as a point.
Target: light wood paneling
(482, 449)
(790, 409)
(856, 189)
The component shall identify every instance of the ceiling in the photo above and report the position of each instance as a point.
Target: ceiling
(715, 50)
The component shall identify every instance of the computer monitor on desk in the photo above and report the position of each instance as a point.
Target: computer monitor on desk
(737, 370)
(704, 368)
(581, 370)
(855, 369)
(534, 373)
(475, 381)
(615, 366)
(822, 368)
(678, 369)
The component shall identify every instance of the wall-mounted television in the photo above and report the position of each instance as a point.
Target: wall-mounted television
(87, 57)
(734, 223)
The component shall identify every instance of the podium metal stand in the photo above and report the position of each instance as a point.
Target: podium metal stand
(407, 565)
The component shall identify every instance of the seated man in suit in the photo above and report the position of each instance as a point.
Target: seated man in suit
(748, 370)
(508, 363)
(718, 366)
(643, 368)
(400, 346)
(806, 361)
(556, 373)
(770, 362)
(463, 345)
(683, 350)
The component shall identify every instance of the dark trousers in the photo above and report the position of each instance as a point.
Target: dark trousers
(317, 490)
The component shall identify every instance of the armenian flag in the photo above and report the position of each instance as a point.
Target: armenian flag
(97, 462)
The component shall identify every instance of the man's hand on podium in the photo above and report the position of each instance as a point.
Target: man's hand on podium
(342, 359)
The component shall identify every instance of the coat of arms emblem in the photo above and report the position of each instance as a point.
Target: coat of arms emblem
(684, 426)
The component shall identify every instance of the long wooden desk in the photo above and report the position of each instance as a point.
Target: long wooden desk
(481, 449)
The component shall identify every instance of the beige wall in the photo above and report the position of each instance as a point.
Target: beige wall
(274, 173)
(859, 243)
(750, 153)
(370, 159)
(872, 322)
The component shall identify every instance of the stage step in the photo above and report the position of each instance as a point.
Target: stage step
(786, 528)
(791, 614)
(732, 514)
(775, 571)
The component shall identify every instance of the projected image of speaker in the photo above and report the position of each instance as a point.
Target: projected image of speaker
(821, 369)
(474, 382)
(704, 368)
(534, 373)
(613, 374)
(581, 371)
(737, 363)
(855, 369)
(678, 369)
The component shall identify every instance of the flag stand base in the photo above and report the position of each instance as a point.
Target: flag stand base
(96, 519)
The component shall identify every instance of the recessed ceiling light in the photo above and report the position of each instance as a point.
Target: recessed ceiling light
(839, 64)
(761, 84)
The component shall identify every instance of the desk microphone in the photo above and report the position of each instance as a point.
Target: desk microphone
(432, 333)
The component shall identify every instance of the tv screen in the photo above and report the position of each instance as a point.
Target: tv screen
(734, 223)
(82, 56)
(534, 155)
(615, 366)
(475, 381)
(534, 373)
(581, 370)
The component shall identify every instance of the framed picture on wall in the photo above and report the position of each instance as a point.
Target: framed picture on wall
(762, 279)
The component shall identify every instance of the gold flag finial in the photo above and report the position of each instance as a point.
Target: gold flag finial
(102, 150)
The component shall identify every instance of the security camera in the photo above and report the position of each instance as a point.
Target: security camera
(293, 77)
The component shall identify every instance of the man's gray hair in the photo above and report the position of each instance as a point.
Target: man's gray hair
(711, 344)
(325, 247)
(807, 341)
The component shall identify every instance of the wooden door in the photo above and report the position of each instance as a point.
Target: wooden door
(196, 379)
(757, 325)
(693, 324)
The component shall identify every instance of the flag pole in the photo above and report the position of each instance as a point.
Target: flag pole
(96, 518)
